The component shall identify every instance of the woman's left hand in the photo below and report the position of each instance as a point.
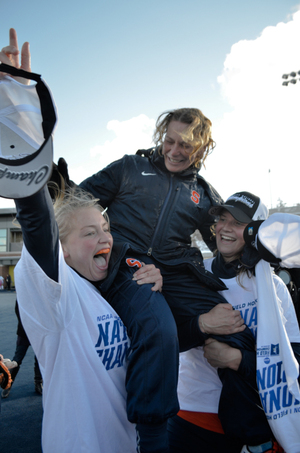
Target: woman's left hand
(221, 355)
(11, 55)
(149, 274)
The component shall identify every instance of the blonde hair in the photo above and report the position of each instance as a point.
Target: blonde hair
(68, 202)
(198, 132)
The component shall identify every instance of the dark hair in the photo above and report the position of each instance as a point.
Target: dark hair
(243, 268)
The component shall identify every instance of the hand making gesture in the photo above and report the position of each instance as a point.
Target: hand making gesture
(11, 55)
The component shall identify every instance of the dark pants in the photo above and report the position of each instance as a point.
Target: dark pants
(240, 409)
(20, 352)
(151, 381)
(152, 374)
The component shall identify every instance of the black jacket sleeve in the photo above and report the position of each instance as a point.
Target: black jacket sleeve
(205, 228)
(190, 335)
(40, 232)
(247, 367)
(206, 233)
(105, 184)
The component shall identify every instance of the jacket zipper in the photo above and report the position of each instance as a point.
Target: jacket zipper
(149, 253)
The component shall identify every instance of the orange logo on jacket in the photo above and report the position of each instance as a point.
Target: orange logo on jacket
(132, 262)
(195, 197)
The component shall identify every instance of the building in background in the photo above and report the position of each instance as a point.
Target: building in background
(281, 207)
(11, 242)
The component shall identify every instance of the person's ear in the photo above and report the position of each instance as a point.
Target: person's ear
(65, 251)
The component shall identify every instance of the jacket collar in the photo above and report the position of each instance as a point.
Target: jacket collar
(222, 269)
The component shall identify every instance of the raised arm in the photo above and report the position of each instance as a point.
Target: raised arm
(35, 214)
(40, 232)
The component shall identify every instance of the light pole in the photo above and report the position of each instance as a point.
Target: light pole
(290, 78)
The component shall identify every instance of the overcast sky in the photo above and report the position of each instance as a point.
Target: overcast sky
(114, 66)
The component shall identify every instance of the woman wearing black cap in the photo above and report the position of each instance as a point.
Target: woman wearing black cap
(240, 409)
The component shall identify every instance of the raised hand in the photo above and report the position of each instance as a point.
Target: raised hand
(11, 55)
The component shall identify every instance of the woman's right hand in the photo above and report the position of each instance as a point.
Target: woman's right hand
(148, 273)
(221, 320)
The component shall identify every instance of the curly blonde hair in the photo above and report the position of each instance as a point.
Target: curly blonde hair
(198, 132)
(68, 202)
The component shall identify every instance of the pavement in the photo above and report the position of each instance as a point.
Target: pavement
(21, 413)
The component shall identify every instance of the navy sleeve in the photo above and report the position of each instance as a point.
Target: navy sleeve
(205, 228)
(247, 368)
(190, 335)
(106, 183)
(40, 232)
(207, 236)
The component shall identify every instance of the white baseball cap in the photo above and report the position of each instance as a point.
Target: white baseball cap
(277, 239)
(27, 120)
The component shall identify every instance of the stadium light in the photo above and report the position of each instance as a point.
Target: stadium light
(292, 80)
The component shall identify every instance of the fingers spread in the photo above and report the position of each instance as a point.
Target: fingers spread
(10, 55)
(25, 57)
(13, 40)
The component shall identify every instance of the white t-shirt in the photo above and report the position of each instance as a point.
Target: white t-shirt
(81, 345)
(199, 386)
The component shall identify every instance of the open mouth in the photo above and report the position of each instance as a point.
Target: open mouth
(227, 238)
(101, 257)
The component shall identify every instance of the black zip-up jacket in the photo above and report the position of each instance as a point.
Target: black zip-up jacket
(156, 211)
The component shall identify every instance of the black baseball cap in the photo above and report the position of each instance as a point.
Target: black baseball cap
(243, 206)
